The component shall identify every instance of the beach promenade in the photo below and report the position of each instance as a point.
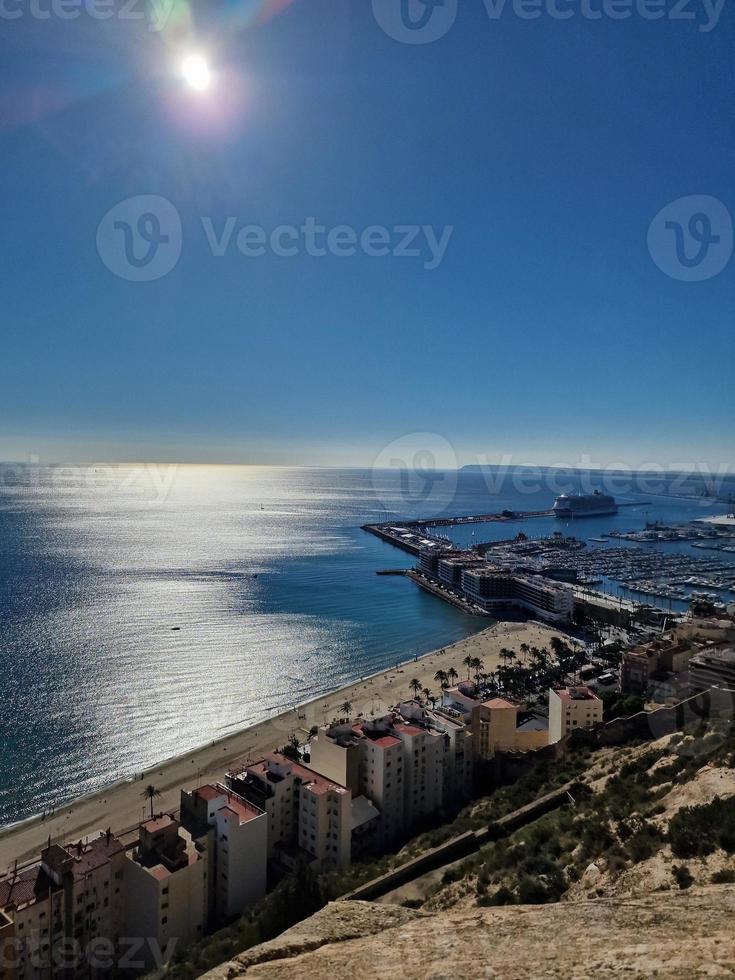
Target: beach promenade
(121, 806)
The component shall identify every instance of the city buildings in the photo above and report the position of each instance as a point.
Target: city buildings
(308, 814)
(495, 724)
(497, 589)
(656, 660)
(571, 708)
(410, 764)
(712, 667)
(54, 911)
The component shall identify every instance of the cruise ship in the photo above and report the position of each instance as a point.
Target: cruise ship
(570, 505)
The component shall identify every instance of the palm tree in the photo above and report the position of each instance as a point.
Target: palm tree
(441, 677)
(415, 686)
(452, 675)
(468, 662)
(150, 793)
(346, 708)
(524, 648)
(426, 693)
(477, 665)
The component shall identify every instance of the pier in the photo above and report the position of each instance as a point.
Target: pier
(412, 536)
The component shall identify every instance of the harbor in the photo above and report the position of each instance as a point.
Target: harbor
(667, 565)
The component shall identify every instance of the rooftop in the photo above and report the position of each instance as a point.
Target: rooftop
(157, 823)
(578, 693)
(209, 793)
(497, 703)
(309, 777)
(241, 809)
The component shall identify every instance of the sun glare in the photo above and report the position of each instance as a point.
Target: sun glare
(196, 72)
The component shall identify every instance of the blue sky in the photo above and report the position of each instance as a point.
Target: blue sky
(546, 147)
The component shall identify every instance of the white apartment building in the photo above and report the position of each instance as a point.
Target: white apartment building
(571, 708)
(238, 846)
(166, 888)
(370, 759)
(305, 810)
(409, 764)
(457, 746)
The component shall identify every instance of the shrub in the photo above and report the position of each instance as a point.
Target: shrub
(682, 876)
(724, 877)
(503, 896)
(699, 830)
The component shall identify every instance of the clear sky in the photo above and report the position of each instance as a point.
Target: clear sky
(543, 147)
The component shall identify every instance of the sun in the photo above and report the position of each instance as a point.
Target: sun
(196, 73)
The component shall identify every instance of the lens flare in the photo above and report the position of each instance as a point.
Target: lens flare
(196, 72)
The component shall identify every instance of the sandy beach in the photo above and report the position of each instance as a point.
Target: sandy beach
(121, 806)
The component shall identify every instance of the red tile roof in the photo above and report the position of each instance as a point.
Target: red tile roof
(497, 703)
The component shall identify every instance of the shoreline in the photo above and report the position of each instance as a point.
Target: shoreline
(120, 806)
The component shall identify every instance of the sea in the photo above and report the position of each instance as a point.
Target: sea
(146, 610)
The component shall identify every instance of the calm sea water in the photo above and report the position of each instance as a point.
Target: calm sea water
(146, 611)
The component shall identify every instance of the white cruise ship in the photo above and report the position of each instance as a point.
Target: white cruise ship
(572, 505)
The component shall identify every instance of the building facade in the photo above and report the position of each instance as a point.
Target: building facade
(572, 708)
(238, 845)
(166, 888)
(308, 814)
(64, 908)
(712, 667)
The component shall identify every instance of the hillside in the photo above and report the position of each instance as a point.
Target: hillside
(648, 836)
(685, 934)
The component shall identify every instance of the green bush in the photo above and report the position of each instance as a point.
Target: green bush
(696, 831)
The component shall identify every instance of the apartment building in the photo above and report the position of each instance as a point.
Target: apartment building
(53, 913)
(457, 764)
(659, 658)
(237, 833)
(496, 589)
(712, 667)
(7, 948)
(571, 708)
(495, 724)
(423, 769)
(410, 763)
(308, 814)
(451, 567)
(166, 888)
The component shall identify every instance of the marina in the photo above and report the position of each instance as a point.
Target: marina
(658, 561)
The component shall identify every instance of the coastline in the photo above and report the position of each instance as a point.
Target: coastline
(120, 805)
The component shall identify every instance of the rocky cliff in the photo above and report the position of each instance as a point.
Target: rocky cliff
(667, 935)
